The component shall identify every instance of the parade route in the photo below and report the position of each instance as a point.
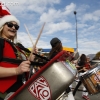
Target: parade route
(78, 95)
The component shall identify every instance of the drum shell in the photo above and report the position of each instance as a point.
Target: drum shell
(58, 76)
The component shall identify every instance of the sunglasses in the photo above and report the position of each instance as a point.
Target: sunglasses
(10, 25)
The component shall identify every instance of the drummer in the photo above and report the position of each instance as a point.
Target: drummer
(10, 73)
(56, 48)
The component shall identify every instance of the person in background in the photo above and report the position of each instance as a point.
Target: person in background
(56, 48)
(83, 66)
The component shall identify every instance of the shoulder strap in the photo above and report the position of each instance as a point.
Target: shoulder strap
(1, 48)
(17, 61)
(23, 48)
(2, 42)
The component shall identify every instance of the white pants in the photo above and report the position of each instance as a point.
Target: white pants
(84, 89)
(84, 93)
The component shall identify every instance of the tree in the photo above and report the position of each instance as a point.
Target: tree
(97, 56)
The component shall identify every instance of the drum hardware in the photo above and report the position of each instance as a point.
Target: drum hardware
(98, 85)
(45, 58)
(31, 71)
(96, 61)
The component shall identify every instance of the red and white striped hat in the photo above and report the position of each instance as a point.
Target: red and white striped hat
(5, 16)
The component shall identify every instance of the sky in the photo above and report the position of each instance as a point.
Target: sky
(60, 22)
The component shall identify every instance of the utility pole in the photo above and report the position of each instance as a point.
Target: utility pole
(76, 30)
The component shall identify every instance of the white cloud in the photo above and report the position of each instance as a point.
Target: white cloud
(55, 27)
(69, 9)
(88, 46)
(52, 15)
(94, 16)
(82, 25)
(25, 40)
(57, 15)
(25, 6)
(82, 8)
(90, 17)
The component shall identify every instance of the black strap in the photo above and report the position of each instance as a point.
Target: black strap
(17, 61)
(42, 57)
(23, 48)
(1, 47)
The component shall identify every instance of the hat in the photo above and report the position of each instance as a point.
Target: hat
(54, 42)
(5, 15)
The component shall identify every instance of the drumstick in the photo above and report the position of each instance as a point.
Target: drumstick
(35, 43)
(28, 33)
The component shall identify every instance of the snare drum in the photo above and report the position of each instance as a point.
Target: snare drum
(91, 80)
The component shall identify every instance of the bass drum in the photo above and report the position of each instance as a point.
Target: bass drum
(91, 80)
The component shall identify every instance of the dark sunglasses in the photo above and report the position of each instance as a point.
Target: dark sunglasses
(9, 24)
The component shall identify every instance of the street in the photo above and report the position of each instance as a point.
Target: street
(78, 95)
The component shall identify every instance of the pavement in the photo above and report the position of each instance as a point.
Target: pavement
(78, 95)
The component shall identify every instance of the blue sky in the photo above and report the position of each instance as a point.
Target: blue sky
(60, 22)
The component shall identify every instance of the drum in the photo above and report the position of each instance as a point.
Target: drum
(91, 80)
(49, 82)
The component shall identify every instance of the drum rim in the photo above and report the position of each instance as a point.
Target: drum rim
(96, 61)
(91, 71)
